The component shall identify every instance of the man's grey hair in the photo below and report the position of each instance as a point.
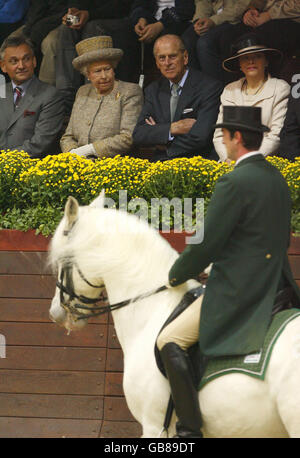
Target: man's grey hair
(14, 42)
(180, 42)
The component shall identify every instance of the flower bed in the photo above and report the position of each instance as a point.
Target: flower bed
(33, 192)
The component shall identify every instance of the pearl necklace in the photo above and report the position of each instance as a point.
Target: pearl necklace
(254, 93)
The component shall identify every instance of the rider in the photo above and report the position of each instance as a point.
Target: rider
(246, 236)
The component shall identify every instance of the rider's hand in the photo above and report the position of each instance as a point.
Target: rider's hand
(168, 285)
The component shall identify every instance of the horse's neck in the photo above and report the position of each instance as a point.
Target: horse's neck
(144, 269)
(139, 262)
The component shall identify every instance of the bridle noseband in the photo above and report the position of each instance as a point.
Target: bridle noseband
(74, 309)
(67, 274)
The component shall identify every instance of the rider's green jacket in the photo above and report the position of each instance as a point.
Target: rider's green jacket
(246, 236)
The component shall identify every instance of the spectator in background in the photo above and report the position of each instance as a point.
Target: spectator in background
(212, 18)
(257, 89)
(43, 17)
(277, 22)
(12, 15)
(41, 26)
(151, 18)
(32, 112)
(290, 134)
(105, 110)
(180, 108)
(117, 26)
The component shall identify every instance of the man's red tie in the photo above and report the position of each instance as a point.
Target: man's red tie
(18, 91)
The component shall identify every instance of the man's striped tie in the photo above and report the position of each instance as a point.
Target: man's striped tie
(18, 91)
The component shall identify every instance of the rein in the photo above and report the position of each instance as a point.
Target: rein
(96, 311)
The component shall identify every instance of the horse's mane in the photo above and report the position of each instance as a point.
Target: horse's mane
(124, 235)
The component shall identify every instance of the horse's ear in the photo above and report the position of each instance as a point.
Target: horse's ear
(99, 201)
(71, 211)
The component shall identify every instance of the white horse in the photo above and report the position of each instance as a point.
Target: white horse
(108, 247)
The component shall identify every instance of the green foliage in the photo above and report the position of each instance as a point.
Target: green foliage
(43, 219)
(295, 222)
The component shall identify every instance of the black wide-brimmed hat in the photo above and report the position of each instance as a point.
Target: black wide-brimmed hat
(248, 44)
(242, 118)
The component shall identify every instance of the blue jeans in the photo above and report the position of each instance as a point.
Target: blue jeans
(204, 51)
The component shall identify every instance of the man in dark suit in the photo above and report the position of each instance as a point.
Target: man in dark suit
(180, 108)
(246, 236)
(32, 112)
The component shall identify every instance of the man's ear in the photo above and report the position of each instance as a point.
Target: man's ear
(238, 137)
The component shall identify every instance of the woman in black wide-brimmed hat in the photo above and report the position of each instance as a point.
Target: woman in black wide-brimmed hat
(255, 88)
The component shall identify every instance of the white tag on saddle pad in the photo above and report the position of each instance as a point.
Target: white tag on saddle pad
(254, 358)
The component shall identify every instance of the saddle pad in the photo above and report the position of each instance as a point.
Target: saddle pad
(254, 364)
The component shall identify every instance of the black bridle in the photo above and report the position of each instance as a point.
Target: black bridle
(67, 274)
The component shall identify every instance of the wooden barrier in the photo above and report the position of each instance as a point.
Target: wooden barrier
(294, 258)
(52, 384)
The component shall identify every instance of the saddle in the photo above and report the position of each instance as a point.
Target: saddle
(285, 299)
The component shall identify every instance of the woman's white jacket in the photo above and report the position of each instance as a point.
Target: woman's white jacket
(272, 98)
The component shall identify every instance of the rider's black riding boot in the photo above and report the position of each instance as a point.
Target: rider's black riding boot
(184, 393)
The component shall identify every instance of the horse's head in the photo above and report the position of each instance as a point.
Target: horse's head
(77, 291)
(94, 245)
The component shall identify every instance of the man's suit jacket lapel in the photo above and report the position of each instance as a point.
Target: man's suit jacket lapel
(164, 96)
(9, 104)
(25, 102)
(187, 94)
